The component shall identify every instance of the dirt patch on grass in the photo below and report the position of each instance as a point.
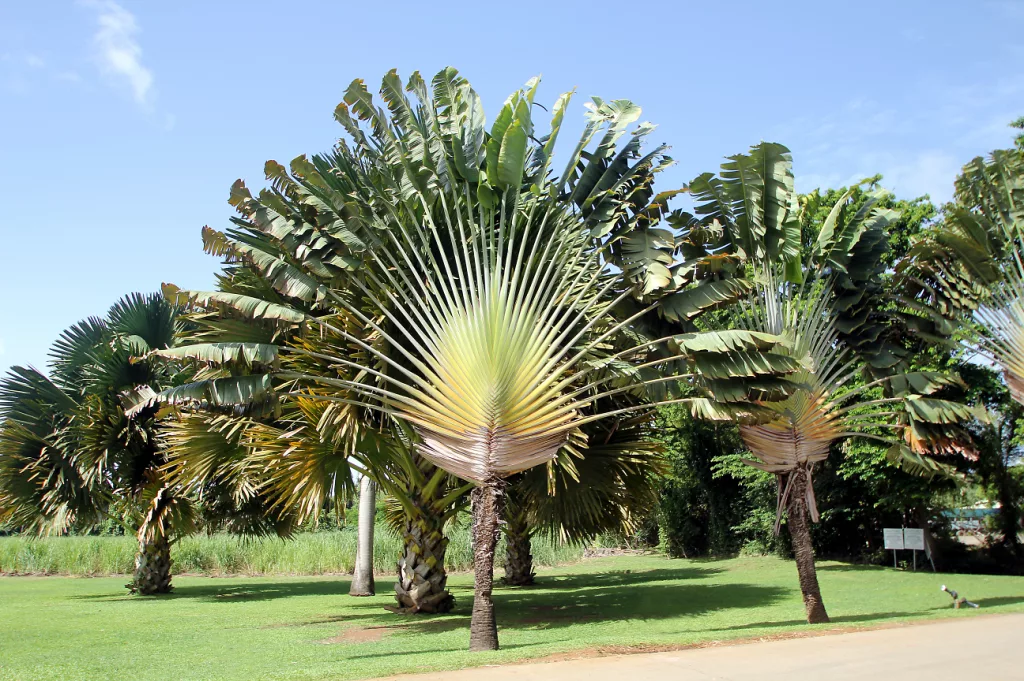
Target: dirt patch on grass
(359, 635)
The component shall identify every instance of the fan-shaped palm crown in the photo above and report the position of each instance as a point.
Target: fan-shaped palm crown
(829, 305)
(465, 289)
(972, 264)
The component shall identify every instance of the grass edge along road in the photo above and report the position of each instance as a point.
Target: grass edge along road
(308, 628)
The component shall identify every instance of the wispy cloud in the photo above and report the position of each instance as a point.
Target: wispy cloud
(918, 149)
(118, 51)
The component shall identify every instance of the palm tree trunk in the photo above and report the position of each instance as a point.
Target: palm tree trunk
(483, 628)
(931, 548)
(800, 533)
(422, 579)
(518, 559)
(152, 566)
(1009, 511)
(362, 576)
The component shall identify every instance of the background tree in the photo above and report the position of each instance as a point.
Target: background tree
(969, 267)
(71, 451)
(831, 309)
(605, 483)
(999, 446)
(712, 503)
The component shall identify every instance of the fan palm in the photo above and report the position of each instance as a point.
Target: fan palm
(308, 449)
(68, 444)
(830, 308)
(483, 279)
(601, 482)
(69, 447)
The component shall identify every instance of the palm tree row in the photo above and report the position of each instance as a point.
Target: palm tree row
(433, 306)
(450, 296)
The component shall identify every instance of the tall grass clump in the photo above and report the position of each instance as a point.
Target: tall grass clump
(308, 553)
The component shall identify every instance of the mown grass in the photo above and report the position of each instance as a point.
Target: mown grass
(312, 553)
(308, 628)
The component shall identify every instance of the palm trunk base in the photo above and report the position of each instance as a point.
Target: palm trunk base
(483, 627)
(152, 568)
(800, 533)
(362, 585)
(518, 559)
(362, 576)
(422, 580)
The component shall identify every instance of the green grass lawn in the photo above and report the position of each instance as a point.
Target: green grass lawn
(308, 628)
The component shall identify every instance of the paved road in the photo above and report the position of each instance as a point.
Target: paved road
(985, 648)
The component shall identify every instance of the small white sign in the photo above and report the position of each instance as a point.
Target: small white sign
(893, 537)
(913, 538)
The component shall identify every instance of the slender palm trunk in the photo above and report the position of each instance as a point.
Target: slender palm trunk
(483, 628)
(152, 566)
(518, 559)
(800, 533)
(362, 577)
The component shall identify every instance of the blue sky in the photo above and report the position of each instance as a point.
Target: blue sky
(122, 125)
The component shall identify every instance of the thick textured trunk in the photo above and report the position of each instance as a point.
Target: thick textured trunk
(518, 559)
(152, 567)
(800, 533)
(483, 628)
(422, 580)
(362, 577)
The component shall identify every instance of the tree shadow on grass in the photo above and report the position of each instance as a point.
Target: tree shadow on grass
(559, 607)
(841, 619)
(999, 600)
(850, 567)
(556, 601)
(243, 590)
(443, 651)
(239, 591)
(624, 577)
(637, 601)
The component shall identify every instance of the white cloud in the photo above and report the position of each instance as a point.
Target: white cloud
(929, 172)
(118, 51)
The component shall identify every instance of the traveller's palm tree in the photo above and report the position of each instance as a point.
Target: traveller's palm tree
(484, 279)
(824, 409)
(971, 266)
(831, 307)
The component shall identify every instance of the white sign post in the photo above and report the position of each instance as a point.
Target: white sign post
(893, 538)
(913, 538)
(910, 538)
